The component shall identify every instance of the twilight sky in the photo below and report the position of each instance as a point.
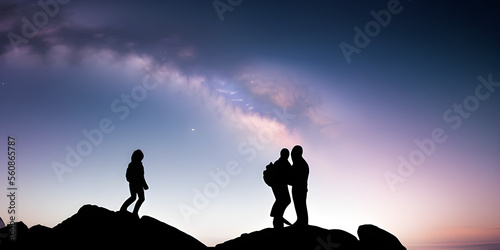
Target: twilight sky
(395, 103)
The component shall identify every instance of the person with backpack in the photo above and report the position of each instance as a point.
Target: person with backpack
(137, 183)
(276, 176)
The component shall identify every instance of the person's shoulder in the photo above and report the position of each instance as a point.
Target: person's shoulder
(135, 164)
(282, 163)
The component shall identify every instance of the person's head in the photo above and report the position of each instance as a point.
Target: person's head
(297, 152)
(137, 156)
(284, 153)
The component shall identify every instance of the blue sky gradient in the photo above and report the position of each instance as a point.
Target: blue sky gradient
(210, 102)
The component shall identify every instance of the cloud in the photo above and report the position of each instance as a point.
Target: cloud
(281, 88)
(28, 24)
(9, 13)
(223, 106)
(248, 101)
(187, 52)
(81, 27)
(224, 91)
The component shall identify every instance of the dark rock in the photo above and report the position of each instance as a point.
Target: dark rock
(40, 234)
(13, 233)
(307, 237)
(97, 227)
(373, 237)
(163, 232)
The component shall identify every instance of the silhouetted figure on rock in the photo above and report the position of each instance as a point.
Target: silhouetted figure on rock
(300, 174)
(137, 183)
(276, 176)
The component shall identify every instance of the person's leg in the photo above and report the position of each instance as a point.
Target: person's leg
(140, 193)
(275, 207)
(299, 201)
(129, 200)
(282, 201)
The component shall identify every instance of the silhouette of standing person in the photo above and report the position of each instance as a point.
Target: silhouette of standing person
(300, 173)
(137, 183)
(280, 188)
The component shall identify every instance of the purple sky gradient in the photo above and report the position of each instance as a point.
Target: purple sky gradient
(206, 99)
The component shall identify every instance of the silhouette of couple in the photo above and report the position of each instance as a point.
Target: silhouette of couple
(278, 176)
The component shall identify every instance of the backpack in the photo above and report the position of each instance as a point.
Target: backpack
(272, 175)
(133, 172)
(128, 174)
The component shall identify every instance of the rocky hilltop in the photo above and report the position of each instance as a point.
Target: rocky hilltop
(100, 228)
